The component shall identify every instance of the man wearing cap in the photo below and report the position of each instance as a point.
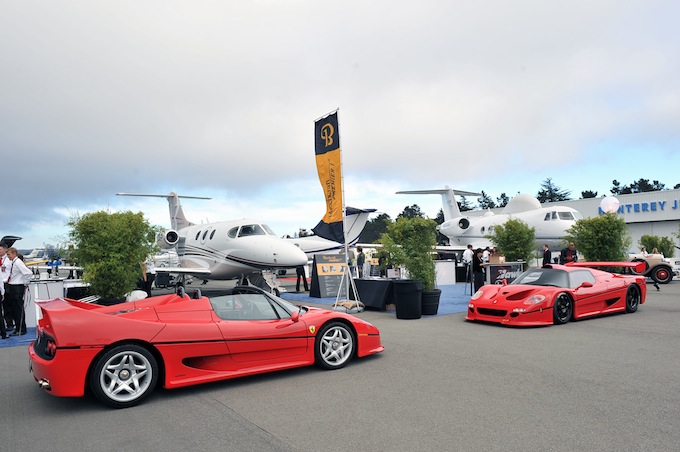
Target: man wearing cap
(19, 277)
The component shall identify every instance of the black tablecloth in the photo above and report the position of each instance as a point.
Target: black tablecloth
(375, 293)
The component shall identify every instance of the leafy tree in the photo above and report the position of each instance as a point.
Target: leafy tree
(411, 212)
(604, 238)
(617, 189)
(375, 228)
(515, 239)
(551, 193)
(464, 204)
(502, 200)
(676, 186)
(665, 245)
(110, 248)
(485, 202)
(639, 186)
(588, 194)
(409, 242)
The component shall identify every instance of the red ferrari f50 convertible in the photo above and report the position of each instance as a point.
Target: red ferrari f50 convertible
(121, 352)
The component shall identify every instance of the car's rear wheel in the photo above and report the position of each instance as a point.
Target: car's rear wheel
(637, 259)
(124, 376)
(662, 274)
(334, 346)
(562, 309)
(632, 298)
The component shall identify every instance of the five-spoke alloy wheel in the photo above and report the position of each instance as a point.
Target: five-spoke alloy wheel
(334, 346)
(124, 376)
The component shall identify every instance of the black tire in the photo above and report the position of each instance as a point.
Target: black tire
(632, 298)
(662, 274)
(124, 376)
(335, 345)
(562, 309)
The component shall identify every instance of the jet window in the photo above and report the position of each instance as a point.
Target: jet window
(566, 216)
(547, 217)
(483, 229)
(251, 229)
(268, 229)
(198, 234)
(205, 234)
(212, 234)
(554, 215)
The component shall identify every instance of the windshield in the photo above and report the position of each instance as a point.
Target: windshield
(252, 306)
(543, 277)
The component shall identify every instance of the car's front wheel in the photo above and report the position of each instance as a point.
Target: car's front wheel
(662, 274)
(632, 298)
(124, 376)
(334, 346)
(562, 309)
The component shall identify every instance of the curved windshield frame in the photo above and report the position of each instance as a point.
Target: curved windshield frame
(544, 277)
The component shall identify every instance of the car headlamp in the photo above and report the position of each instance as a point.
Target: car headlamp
(535, 299)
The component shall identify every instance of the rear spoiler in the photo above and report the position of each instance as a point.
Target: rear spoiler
(638, 267)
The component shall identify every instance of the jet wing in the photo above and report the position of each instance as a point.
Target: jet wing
(183, 270)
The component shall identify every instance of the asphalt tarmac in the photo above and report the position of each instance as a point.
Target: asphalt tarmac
(603, 384)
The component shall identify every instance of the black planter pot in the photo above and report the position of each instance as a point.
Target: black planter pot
(407, 298)
(430, 301)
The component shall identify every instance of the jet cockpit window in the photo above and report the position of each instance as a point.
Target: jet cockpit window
(547, 217)
(268, 229)
(554, 215)
(566, 216)
(232, 232)
(251, 229)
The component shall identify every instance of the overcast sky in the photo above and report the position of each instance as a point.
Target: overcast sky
(219, 98)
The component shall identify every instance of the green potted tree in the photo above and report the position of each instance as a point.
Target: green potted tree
(410, 242)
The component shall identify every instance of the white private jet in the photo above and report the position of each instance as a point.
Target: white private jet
(224, 250)
(550, 223)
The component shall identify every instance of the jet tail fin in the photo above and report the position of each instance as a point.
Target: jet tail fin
(355, 221)
(449, 203)
(177, 218)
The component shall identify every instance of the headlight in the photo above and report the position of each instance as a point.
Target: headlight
(477, 294)
(535, 299)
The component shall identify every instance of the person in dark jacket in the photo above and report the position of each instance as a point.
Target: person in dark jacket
(547, 255)
(568, 254)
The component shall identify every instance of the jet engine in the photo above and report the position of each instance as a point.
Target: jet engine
(167, 239)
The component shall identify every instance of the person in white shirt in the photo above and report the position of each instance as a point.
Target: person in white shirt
(5, 316)
(17, 281)
(467, 261)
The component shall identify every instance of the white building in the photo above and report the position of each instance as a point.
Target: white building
(650, 213)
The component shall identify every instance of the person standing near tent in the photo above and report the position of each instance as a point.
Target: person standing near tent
(478, 269)
(19, 277)
(361, 259)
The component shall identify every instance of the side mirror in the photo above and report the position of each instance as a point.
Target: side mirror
(295, 316)
(586, 284)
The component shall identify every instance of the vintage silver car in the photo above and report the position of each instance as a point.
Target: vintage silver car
(657, 268)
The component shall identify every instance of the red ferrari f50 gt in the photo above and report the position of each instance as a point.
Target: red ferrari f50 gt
(121, 352)
(555, 294)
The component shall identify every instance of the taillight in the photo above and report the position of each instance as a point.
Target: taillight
(51, 348)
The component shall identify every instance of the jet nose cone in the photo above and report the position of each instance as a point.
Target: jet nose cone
(288, 255)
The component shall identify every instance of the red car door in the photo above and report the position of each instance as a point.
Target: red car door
(257, 333)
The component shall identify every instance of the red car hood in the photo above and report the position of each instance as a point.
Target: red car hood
(511, 294)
